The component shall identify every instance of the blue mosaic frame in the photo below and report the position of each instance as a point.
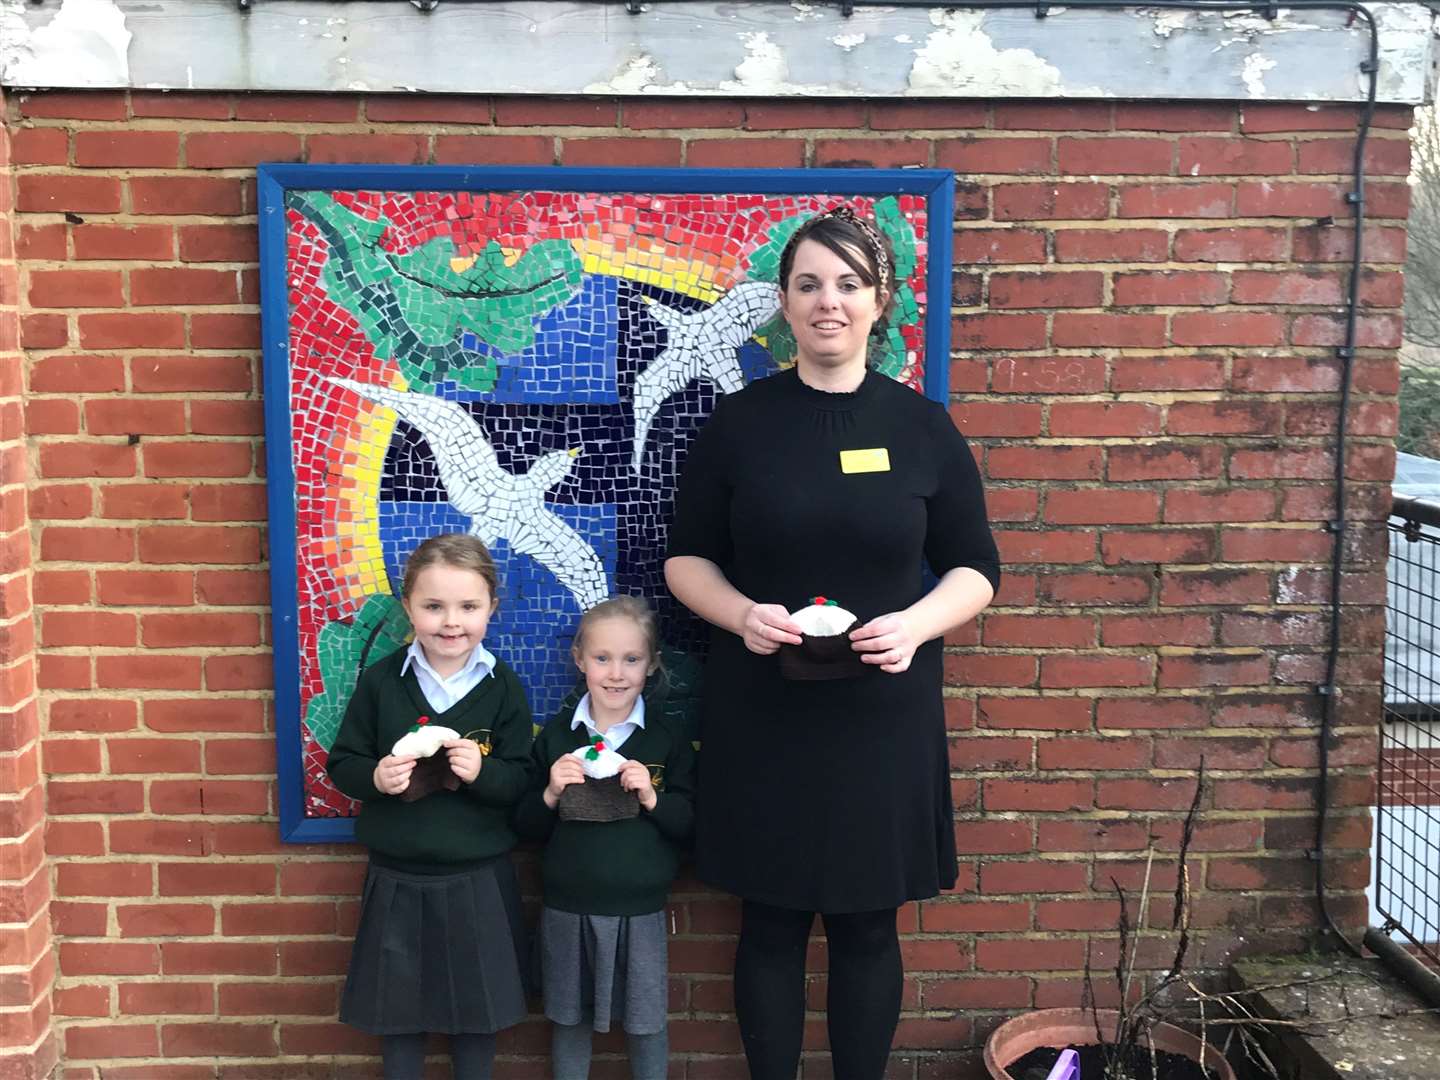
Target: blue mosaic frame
(275, 181)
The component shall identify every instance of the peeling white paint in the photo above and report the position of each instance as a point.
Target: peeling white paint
(764, 69)
(959, 55)
(904, 39)
(90, 33)
(1167, 22)
(1253, 74)
(640, 75)
(848, 41)
(807, 12)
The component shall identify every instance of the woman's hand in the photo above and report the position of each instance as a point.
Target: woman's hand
(767, 627)
(392, 774)
(887, 641)
(636, 777)
(566, 771)
(464, 757)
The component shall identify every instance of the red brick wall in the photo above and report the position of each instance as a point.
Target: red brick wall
(1145, 315)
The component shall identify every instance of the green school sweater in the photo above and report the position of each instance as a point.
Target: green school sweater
(613, 867)
(446, 829)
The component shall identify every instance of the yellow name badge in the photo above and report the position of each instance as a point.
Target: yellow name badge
(862, 461)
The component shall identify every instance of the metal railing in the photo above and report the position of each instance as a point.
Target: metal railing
(1407, 842)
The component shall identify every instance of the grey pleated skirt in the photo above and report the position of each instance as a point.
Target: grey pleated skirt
(437, 953)
(612, 968)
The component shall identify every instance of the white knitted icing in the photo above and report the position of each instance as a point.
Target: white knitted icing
(606, 764)
(423, 743)
(823, 620)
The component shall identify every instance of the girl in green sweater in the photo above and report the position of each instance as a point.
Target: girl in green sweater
(612, 847)
(439, 944)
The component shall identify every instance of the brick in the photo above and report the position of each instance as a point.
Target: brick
(176, 797)
(1039, 631)
(214, 879)
(997, 419)
(123, 242)
(132, 330)
(143, 501)
(1122, 631)
(1216, 669)
(52, 193)
(218, 243)
(1115, 155)
(219, 1040)
(1111, 245)
(1100, 419)
(1228, 505)
(82, 1001)
(178, 286)
(1271, 463)
(145, 587)
(428, 108)
(133, 149)
(186, 106)
(304, 108)
(990, 753)
(41, 332)
(1306, 544)
(996, 331)
(160, 631)
(1235, 157)
(171, 374)
(227, 418)
(73, 105)
(87, 628)
(272, 919)
(163, 920)
(871, 153)
(111, 1040)
(1044, 462)
(1124, 331)
(167, 999)
(108, 958)
(1240, 244)
(86, 458)
(1055, 954)
(240, 757)
(150, 756)
(1034, 713)
(1218, 753)
(1145, 794)
(1175, 288)
(192, 457)
(209, 544)
(39, 146)
(996, 837)
(183, 195)
(148, 672)
(1086, 588)
(1073, 201)
(980, 246)
(161, 838)
(40, 243)
(996, 156)
(1224, 418)
(1040, 795)
(989, 670)
(52, 502)
(1371, 331)
(1150, 711)
(343, 879)
(318, 957)
(1088, 506)
(1227, 329)
(391, 149)
(1164, 461)
(779, 115)
(129, 416)
(1335, 244)
(251, 672)
(1047, 375)
(239, 149)
(92, 714)
(75, 289)
(938, 115)
(1051, 546)
(1311, 286)
(278, 999)
(1173, 116)
(1382, 156)
(494, 149)
(1183, 588)
(1269, 117)
(1088, 752)
(633, 152)
(1046, 290)
(730, 153)
(1098, 670)
(1048, 116)
(227, 797)
(245, 588)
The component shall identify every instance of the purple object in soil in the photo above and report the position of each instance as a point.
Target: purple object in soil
(1067, 1066)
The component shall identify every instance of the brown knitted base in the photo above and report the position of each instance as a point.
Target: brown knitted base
(431, 773)
(820, 658)
(597, 800)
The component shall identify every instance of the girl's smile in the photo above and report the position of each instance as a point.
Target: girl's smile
(615, 660)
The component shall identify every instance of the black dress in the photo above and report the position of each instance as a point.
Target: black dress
(827, 796)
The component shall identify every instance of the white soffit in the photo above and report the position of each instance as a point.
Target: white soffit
(712, 50)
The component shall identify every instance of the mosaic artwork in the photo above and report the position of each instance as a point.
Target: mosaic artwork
(529, 367)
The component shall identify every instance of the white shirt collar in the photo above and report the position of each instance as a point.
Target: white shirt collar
(582, 715)
(480, 657)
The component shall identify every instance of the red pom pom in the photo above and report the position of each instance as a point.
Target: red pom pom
(818, 600)
(599, 744)
(423, 720)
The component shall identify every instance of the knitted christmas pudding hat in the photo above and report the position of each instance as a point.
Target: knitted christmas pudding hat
(824, 651)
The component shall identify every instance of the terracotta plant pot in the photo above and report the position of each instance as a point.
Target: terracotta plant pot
(1060, 1028)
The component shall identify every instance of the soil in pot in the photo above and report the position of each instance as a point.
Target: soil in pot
(1036, 1065)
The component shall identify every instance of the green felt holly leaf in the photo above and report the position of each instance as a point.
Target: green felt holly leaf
(346, 649)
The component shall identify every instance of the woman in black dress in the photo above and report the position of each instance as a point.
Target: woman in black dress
(827, 797)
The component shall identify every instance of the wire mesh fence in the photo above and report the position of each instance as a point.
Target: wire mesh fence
(1407, 849)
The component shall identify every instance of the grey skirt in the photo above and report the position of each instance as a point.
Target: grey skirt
(611, 970)
(437, 953)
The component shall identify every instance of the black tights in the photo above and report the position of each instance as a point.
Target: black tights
(471, 1056)
(863, 1005)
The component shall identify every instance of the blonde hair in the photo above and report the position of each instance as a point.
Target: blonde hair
(622, 607)
(460, 550)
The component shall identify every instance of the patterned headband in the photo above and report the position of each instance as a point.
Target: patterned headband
(872, 237)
